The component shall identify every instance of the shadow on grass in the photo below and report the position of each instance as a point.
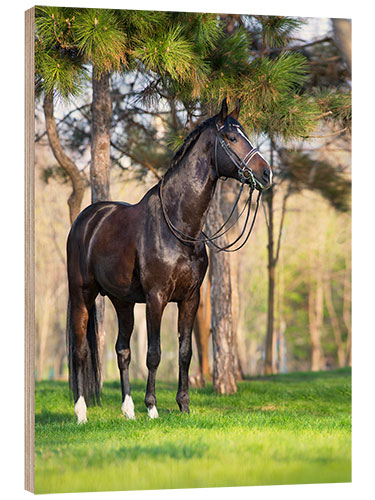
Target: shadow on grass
(52, 417)
(307, 393)
(296, 377)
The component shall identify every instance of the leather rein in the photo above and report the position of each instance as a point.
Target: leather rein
(245, 174)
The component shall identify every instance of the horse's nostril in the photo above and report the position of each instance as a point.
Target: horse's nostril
(266, 174)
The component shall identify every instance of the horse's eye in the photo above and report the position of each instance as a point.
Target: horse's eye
(233, 138)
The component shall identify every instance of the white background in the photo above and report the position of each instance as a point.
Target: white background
(12, 245)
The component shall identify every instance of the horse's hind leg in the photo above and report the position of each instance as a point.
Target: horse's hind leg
(186, 314)
(154, 310)
(125, 315)
(79, 320)
(83, 352)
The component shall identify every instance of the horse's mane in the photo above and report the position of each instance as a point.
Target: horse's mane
(191, 140)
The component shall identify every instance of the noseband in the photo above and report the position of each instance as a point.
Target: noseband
(245, 174)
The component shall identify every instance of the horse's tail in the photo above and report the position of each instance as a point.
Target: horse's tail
(91, 372)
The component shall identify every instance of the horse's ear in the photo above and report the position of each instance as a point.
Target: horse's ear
(236, 112)
(223, 113)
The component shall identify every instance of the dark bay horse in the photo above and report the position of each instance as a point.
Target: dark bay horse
(131, 254)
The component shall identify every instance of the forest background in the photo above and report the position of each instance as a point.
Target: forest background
(363, 242)
(310, 212)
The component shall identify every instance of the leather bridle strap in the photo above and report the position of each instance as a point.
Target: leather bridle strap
(244, 171)
(206, 239)
(227, 247)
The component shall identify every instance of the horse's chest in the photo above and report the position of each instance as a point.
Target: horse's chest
(176, 274)
(185, 277)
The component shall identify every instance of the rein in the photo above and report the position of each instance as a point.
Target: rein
(245, 173)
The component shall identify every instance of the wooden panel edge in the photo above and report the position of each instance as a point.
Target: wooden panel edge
(29, 100)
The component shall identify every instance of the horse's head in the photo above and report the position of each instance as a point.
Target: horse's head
(235, 156)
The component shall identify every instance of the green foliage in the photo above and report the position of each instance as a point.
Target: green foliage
(53, 26)
(336, 106)
(190, 57)
(54, 172)
(170, 53)
(283, 429)
(138, 23)
(271, 100)
(206, 31)
(276, 31)
(57, 73)
(100, 39)
(58, 66)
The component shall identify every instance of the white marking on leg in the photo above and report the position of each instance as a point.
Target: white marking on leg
(80, 410)
(127, 407)
(152, 412)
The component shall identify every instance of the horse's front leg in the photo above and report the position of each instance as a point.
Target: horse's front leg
(154, 310)
(187, 310)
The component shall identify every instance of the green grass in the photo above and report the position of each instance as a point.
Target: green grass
(284, 429)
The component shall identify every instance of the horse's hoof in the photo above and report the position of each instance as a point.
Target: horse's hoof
(152, 412)
(127, 407)
(183, 402)
(80, 410)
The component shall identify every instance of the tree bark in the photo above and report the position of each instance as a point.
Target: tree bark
(101, 113)
(316, 349)
(315, 310)
(75, 175)
(228, 197)
(224, 371)
(101, 110)
(343, 36)
(202, 331)
(273, 257)
(334, 322)
(269, 365)
(347, 302)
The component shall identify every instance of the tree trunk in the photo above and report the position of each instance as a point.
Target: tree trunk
(235, 287)
(316, 349)
(224, 372)
(228, 197)
(343, 37)
(315, 309)
(101, 113)
(76, 177)
(101, 110)
(347, 303)
(334, 322)
(202, 330)
(269, 365)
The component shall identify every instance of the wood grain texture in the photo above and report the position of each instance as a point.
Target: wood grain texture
(29, 252)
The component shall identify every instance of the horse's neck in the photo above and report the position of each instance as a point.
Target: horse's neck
(189, 189)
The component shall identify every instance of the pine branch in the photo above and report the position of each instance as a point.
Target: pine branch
(143, 162)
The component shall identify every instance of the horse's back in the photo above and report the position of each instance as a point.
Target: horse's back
(101, 240)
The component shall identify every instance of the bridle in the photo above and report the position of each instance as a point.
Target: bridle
(246, 175)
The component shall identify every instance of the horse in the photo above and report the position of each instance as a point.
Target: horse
(152, 252)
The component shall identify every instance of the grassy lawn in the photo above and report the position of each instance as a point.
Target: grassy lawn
(284, 429)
